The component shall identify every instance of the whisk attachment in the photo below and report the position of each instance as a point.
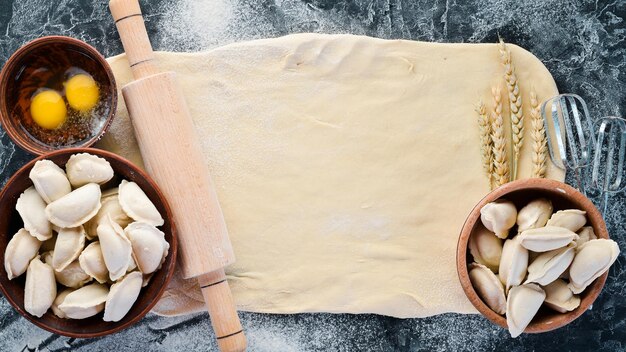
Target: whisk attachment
(573, 140)
(607, 175)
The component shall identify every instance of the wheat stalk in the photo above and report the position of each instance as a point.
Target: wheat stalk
(538, 134)
(500, 160)
(486, 143)
(515, 105)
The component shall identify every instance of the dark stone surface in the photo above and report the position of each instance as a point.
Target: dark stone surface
(581, 43)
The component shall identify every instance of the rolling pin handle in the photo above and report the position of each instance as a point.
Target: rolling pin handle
(132, 30)
(221, 306)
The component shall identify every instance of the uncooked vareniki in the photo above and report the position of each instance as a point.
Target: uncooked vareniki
(488, 287)
(534, 214)
(523, 302)
(109, 206)
(72, 276)
(70, 243)
(57, 301)
(92, 262)
(571, 219)
(593, 259)
(21, 249)
(41, 288)
(149, 246)
(116, 248)
(31, 208)
(76, 207)
(585, 234)
(560, 298)
(137, 204)
(546, 238)
(513, 264)
(548, 266)
(122, 296)
(49, 180)
(85, 168)
(85, 302)
(486, 248)
(499, 217)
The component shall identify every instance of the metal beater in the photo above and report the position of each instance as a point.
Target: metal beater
(607, 173)
(574, 137)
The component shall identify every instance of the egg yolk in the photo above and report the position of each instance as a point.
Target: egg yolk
(47, 109)
(82, 92)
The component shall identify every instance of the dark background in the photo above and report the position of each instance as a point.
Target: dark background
(581, 42)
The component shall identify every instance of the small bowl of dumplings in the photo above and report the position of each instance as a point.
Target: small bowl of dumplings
(534, 255)
(86, 242)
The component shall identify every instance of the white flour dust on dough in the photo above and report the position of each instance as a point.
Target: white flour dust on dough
(188, 26)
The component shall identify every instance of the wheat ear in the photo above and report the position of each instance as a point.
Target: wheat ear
(486, 143)
(538, 134)
(500, 160)
(515, 105)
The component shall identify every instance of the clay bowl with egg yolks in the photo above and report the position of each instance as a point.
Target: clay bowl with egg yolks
(57, 48)
(520, 193)
(10, 223)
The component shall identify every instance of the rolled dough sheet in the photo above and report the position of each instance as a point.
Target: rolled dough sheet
(345, 166)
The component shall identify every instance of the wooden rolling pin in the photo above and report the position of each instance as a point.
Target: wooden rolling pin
(171, 152)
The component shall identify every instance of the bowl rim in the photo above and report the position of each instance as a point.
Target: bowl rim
(541, 184)
(17, 135)
(173, 251)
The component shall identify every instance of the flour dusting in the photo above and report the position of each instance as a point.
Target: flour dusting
(204, 24)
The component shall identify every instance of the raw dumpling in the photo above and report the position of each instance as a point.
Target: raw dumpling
(116, 248)
(57, 301)
(85, 302)
(49, 180)
(498, 217)
(111, 207)
(585, 234)
(149, 246)
(571, 219)
(486, 248)
(548, 266)
(70, 243)
(137, 204)
(513, 264)
(72, 276)
(31, 208)
(534, 214)
(85, 168)
(75, 208)
(560, 298)
(522, 304)
(22, 248)
(488, 287)
(122, 296)
(92, 262)
(547, 238)
(41, 288)
(593, 259)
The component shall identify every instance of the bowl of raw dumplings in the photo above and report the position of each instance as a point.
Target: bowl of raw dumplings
(86, 242)
(533, 255)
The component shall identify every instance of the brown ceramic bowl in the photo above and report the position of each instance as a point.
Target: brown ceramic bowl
(43, 52)
(521, 192)
(10, 222)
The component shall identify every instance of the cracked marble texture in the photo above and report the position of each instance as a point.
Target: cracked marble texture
(581, 42)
